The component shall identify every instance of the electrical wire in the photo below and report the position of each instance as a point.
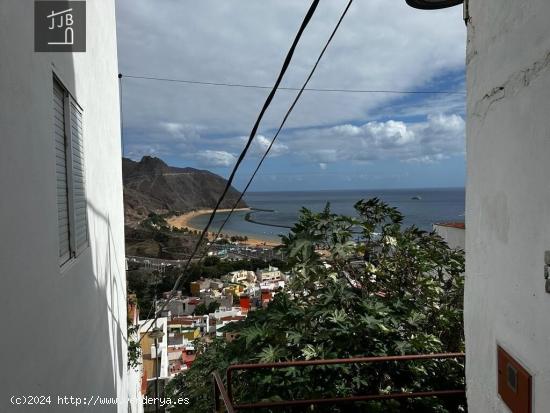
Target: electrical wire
(284, 119)
(332, 90)
(283, 122)
(121, 113)
(267, 103)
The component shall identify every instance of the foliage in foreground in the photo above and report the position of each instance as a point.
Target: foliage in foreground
(386, 290)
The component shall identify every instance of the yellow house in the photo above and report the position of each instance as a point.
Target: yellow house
(151, 360)
(195, 288)
(191, 334)
(235, 289)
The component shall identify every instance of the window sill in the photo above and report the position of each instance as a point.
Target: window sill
(70, 263)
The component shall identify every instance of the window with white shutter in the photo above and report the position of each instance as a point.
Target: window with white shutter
(70, 175)
(63, 225)
(79, 193)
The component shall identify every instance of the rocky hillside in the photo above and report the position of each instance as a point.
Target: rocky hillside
(150, 185)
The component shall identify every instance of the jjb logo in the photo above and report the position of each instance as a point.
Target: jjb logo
(60, 26)
(65, 22)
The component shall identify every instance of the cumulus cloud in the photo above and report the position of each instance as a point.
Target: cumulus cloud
(430, 141)
(172, 128)
(259, 145)
(137, 151)
(180, 131)
(380, 45)
(163, 139)
(438, 157)
(216, 158)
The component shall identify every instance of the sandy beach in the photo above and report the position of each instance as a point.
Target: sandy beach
(183, 221)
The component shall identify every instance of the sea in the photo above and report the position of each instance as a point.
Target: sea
(272, 211)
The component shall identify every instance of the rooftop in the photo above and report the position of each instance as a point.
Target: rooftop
(458, 225)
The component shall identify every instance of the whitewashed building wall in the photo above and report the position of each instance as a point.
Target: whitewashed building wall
(508, 196)
(64, 326)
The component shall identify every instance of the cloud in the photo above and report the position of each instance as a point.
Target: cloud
(430, 141)
(216, 158)
(172, 128)
(259, 145)
(162, 139)
(429, 159)
(380, 45)
(137, 151)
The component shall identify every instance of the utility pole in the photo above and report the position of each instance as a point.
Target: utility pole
(156, 334)
(156, 376)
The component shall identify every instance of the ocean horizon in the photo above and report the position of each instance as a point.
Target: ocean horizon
(274, 210)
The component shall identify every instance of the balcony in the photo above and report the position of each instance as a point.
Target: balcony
(226, 401)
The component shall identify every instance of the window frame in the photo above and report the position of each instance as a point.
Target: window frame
(74, 250)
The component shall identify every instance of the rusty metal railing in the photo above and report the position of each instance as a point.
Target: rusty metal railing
(221, 393)
(226, 396)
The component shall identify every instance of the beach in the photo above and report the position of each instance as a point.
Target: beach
(184, 221)
(271, 213)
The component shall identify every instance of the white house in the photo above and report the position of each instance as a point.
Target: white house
(241, 276)
(232, 312)
(454, 234)
(269, 274)
(61, 214)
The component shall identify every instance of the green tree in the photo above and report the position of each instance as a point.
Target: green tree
(203, 309)
(200, 309)
(381, 289)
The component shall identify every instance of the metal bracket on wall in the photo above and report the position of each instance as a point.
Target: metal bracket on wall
(547, 271)
(466, 16)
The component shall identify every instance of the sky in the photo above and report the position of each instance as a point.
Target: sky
(332, 140)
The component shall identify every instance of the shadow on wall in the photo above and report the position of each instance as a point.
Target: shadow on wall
(113, 286)
(96, 337)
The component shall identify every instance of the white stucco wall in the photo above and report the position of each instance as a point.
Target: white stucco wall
(135, 404)
(508, 196)
(63, 332)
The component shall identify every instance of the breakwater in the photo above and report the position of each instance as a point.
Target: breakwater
(248, 217)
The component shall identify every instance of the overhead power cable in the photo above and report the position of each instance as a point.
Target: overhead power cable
(332, 90)
(268, 101)
(121, 114)
(284, 119)
(283, 122)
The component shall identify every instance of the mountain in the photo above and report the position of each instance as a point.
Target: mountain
(150, 185)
